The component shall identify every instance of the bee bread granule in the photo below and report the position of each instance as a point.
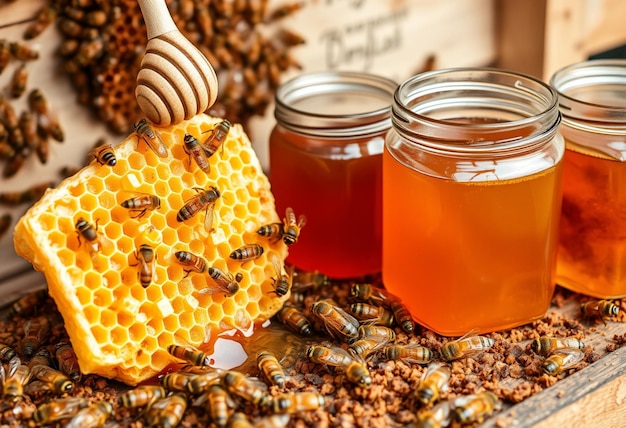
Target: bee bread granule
(118, 328)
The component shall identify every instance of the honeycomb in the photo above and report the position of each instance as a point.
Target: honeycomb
(118, 328)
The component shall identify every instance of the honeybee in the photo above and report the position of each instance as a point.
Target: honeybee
(546, 344)
(292, 226)
(270, 368)
(372, 313)
(9, 119)
(37, 102)
(247, 252)
(5, 54)
(146, 133)
(177, 381)
(89, 232)
(338, 323)
(295, 320)
(202, 382)
(402, 315)
(603, 309)
(43, 357)
(434, 417)
(282, 283)
(29, 303)
(191, 262)
(368, 330)
(57, 381)
(190, 354)
(96, 18)
(5, 223)
(284, 10)
(13, 383)
(272, 231)
(22, 51)
(14, 164)
(246, 388)
(45, 16)
(146, 259)
(194, 150)
(94, 415)
(289, 38)
(28, 126)
(31, 194)
(203, 200)
(474, 408)
(66, 358)
(142, 204)
(35, 330)
(103, 154)
(167, 412)
(294, 402)
(366, 346)
(6, 353)
(219, 403)
(59, 409)
(143, 395)
(356, 371)
(562, 359)
(368, 293)
(433, 383)
(411, 353)
(226, 282)
(465, 346)
(216, 137)
(17, 85)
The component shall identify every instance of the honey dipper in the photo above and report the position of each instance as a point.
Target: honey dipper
(175, 81)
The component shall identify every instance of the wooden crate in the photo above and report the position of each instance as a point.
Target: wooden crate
(539, 37)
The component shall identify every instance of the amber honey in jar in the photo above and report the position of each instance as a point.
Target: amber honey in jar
(326, 164)
(471, 198)
(592, 243)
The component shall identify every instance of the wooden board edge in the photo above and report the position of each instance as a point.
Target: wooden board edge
(594, 396)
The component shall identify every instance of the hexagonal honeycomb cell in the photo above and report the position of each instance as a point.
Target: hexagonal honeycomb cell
(119, 327)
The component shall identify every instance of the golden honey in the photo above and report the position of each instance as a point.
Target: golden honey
(471, 199)
(592, 243)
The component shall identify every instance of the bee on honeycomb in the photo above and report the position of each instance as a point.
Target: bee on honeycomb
(120, 325)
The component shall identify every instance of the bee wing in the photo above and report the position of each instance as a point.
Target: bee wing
(3, 374)
(573, 357)
(338, 356)
(14, 363)
(276, 263)
(432, 367)
(471, 333)
(208, 219)
(427, 351)
(156, 144)
(301, 221)
(352, 320)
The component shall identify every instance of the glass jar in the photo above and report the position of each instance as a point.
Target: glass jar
(471, 199)
(592, 244)
(326, 164)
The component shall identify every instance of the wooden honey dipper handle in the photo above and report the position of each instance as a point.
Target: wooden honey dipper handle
(175, 81)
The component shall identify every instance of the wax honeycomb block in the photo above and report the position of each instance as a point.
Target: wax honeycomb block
(120, 329)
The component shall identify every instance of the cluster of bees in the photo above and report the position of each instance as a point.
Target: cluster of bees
(364, 328)
(104, 41)
(26, 133)
(30, 131)
(204, 200)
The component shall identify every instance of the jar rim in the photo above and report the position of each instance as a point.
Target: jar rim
(425, 106)
(295, 101)
(593, 91)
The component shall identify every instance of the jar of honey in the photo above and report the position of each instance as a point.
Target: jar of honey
(326, 164)
(471, 199)
(592, 243)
